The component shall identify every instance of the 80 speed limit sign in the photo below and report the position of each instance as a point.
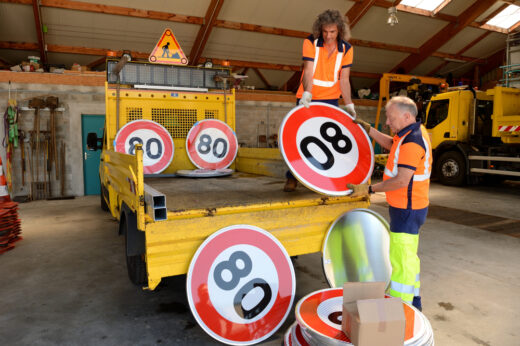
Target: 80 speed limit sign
(211, 144)
(325, 149)
(157, 144)
(241, 285)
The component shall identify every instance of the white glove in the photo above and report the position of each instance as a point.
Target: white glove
(306, 99)
(350, 109)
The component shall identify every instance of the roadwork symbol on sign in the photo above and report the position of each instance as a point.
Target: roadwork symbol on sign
(325, 149)
(211, 144)
(168, 51)
(158, 148)
(240, 285)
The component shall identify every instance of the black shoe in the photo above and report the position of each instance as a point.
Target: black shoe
(417, 303)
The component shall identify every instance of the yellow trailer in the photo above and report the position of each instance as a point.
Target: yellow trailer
(196, 208)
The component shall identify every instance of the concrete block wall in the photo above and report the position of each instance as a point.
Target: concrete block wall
(257, 118)
(252, 119)
(75, 101)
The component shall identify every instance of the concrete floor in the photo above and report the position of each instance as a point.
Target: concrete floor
(66, 282)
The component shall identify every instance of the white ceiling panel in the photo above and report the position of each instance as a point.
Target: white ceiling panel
(490, 10)
(289, 14)
(75, 28)
(375, 60)
(412, 30)
(489, 45)
(185, 7)
(12, 28)
(427, 66)
(251, 46)
(461, 40)
(456, 7)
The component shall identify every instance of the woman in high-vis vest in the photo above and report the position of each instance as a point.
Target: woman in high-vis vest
(327, 58)
(406, 182)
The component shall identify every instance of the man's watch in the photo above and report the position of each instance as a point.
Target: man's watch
(370, 191)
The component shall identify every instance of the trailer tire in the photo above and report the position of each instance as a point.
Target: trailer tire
(451, 168)
(104, 205)
(135, 265)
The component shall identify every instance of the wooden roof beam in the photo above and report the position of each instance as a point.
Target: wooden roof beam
(205, 30)
(116, 10)
(262, 77)
(293, 82)
(460, 52)
(39, 31)
(358, 10)
(444, 35)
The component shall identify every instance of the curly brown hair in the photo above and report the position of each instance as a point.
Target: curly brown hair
(332, 17)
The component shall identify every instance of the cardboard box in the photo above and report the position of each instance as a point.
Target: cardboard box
(370, 319)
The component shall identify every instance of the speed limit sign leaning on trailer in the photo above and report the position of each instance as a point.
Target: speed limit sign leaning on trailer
(240, 285)
(211, 144)
(157, 144)
(325, 149)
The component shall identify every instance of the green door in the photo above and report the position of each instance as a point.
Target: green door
(91, 123)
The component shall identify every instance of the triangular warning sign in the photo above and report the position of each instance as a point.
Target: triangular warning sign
(168, 51)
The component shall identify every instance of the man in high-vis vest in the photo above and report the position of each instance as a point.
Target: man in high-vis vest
(327, 58)
(406, 182)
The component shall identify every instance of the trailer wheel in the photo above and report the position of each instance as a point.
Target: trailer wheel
(104, 205)
(451, 168)
(135, 265)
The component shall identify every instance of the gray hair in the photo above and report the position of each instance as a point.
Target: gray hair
(332, 17)
(404, 104)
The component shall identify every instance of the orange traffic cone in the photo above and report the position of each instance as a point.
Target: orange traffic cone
(4, 193)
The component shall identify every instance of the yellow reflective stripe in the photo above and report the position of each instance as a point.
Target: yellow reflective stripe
(337, 66)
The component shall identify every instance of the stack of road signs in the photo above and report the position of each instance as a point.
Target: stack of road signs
(356, 248)
(158, 148)
(212, 146)
(241, 285)
(318, 322)
(9, 226)
(324, 149)
(204, 173)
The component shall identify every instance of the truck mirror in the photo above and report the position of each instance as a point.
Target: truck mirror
(92, 141)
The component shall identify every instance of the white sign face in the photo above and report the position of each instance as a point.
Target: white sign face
(240, 285)
(211, 144)
(324, 149)
(332, 151)
(156, 141)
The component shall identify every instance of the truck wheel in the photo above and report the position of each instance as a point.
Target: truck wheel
(135, 265)
(451, 168)
(104, 205)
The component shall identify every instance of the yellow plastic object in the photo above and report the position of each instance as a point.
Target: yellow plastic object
(176, 111)
(506, 113)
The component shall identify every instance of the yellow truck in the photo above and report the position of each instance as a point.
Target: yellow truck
(164, 228)
(474, 134)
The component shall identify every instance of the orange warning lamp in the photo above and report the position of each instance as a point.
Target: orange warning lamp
(111, 53)
(225, 62)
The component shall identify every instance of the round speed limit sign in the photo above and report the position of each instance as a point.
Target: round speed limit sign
(157, 144)
(241, 285)
(211, 144)
(325, 149)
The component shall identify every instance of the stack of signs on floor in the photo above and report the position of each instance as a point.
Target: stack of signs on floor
(156, 141)
(355, 249)
(212, 147)
(241, 285)
(318, 322)
(10, 228)
(324, 149)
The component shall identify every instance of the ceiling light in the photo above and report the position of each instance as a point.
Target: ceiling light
(392, 16)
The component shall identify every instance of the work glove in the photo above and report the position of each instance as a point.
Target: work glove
(306, 99)
(358, 190)
(363, 123)
(350, 110)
